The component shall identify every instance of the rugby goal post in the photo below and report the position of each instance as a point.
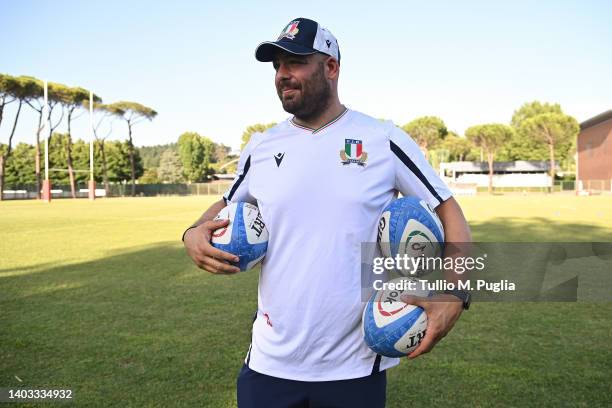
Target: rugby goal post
(92, 183)
(46, 187)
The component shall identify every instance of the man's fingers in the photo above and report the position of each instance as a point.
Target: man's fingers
(215, 266)
(426, 345)
(205, 265)
(415, 300)
(206, 256)
(216, 224)
(442, 313)
(206, 248)
(224, 267)
(430, 337)
(213, 252)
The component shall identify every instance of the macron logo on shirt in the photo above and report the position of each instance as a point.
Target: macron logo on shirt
(279, 158)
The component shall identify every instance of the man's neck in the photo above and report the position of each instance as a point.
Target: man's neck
(330, 114)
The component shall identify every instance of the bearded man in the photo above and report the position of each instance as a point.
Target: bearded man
(321, 180)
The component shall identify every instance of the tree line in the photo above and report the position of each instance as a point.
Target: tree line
(65, 104)
(20, 170)
(192, 159)
(537, 131)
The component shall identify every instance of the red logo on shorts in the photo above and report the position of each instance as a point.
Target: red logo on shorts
(268, 320)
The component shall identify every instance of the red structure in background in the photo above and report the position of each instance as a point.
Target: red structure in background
(46, 190)
(92, 189)
(594, 148)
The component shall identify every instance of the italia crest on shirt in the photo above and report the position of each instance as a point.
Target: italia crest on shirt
(290, 31)
(353, 153)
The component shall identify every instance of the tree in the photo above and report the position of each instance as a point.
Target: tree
(523, 146)
(73, 98)
(19, 89)
(102, 115)
(119, 162)
(57, 157)
(490, 138)
(170, 168)
(258, 127)
(221, 152)
(149, 177)
(458, 147)
(152, 154)
(55, 92)
(32, 95)
(19, 172)
(551, 129)
(552, 135)
(35, 101)
(133, 113)
(427, 132)
(197, 155)
(531, 109)
(8, 84)
(11, 89)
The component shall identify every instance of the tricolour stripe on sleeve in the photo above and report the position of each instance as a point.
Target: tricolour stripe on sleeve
(414, 169)
(247, 165)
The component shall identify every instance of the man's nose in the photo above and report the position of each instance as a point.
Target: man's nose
(282, 72)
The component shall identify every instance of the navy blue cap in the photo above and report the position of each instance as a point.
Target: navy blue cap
(301, 36)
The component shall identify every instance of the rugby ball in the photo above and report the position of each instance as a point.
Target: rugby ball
(391, 327)
(245, 236)
(410, 226)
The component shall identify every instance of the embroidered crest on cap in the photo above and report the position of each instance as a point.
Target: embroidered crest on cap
(290, 31)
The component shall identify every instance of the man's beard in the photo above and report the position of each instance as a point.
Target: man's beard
(314, 99)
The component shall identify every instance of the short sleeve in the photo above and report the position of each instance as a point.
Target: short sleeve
(239, 189)
(414, 175)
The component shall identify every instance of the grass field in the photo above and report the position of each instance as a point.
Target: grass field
(101, 298)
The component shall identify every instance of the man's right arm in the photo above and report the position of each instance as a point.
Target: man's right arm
(197, 243)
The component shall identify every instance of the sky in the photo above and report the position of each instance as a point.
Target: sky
(468, 62)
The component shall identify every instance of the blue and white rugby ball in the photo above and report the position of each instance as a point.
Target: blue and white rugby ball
(409, 226)
(391, 327)
(245, 236)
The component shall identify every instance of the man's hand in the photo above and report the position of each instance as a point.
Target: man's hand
(442, 313)
(206, 256)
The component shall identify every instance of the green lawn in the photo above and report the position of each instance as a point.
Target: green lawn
(100, 297)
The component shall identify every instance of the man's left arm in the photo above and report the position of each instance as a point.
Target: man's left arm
(443, 310)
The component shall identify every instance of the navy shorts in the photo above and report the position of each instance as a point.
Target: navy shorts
(257, 390)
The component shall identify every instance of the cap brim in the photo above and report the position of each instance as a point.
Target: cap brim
(266, 50)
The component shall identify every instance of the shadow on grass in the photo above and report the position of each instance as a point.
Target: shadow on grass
(145, 327)
(133, 329)
(537, 229)
(28, 269)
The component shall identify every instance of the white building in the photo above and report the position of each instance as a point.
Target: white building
(505, 174)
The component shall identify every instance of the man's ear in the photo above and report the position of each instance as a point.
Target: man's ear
(332, 68)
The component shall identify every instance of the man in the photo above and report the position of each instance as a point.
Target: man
(321, 180)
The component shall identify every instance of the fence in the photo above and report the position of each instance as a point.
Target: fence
(120, 190)
(595, 185)
(558, 187)
(152, 190)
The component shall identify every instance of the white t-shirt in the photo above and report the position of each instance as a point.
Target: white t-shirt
(321, 194)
